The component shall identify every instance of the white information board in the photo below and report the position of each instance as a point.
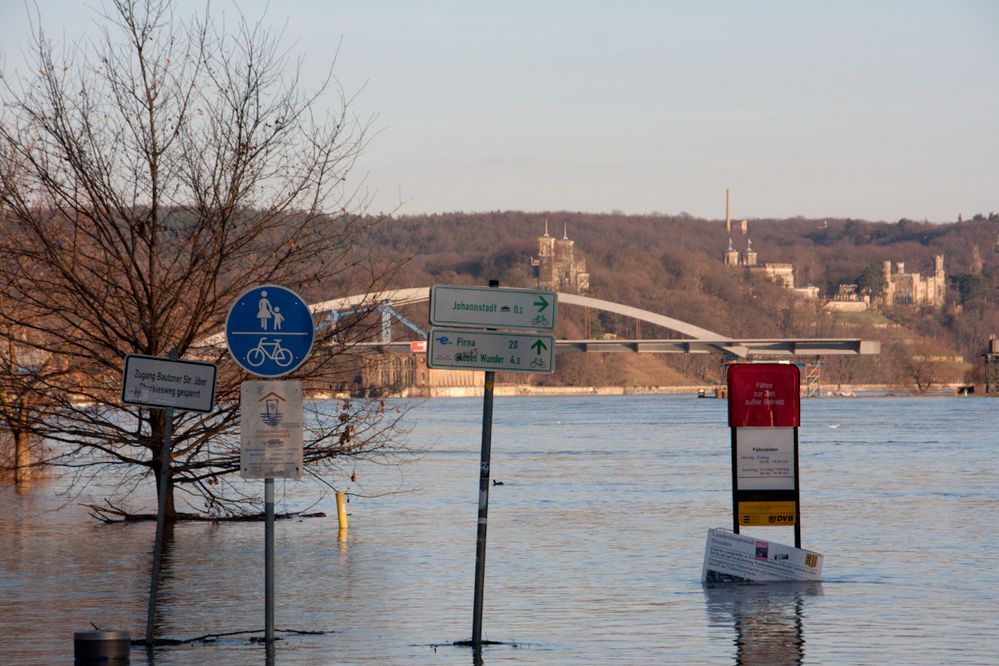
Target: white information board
(731, 557)
(271, 430)
(765, 458)
(153, 381)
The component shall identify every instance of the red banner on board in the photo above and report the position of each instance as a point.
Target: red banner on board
(764, 395)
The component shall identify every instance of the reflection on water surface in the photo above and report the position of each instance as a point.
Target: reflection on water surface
(596, 541)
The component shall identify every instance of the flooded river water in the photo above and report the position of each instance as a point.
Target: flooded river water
(596, 538)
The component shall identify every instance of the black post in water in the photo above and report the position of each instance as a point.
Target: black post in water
(797, 495)
(735, 484)
(154, 578)
(480, 543)
(269, 565)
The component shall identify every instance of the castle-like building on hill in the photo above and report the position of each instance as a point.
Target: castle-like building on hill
(903, 288)
(782, 274)
(900, 288)
(558, 267)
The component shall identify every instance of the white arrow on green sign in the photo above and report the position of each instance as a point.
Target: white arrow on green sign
(492, 307)
(498, 351)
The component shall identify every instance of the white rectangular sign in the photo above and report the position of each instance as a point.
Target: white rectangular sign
(731, 557)
(152, 381)
(764, 458)
(491, 307)
(471, 349)
(271, 430)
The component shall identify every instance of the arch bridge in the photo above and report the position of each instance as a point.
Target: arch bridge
(696, 340)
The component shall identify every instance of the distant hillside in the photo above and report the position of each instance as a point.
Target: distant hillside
(672, 265)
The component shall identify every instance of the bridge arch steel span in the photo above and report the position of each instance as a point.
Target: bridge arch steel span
(416, 294)
(700, 339)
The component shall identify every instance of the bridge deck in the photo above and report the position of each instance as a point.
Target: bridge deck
(754, 347)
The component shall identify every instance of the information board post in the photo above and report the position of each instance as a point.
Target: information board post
(269, 565)
(165, 383)
(480, 541)
(464, 336)
(270, 332)
(154, 578)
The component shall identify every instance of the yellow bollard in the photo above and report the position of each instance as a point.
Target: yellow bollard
(341, 509)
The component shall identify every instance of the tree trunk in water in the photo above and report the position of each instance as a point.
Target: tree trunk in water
(169, 510)
(22, 460)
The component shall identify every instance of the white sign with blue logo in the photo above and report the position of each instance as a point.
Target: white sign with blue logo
(271, 432)
(269, 331)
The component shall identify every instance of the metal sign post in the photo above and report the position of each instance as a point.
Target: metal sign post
(476, 345)
(480, 540)
(154, 577)
(269, 564)
(165, 383)
(269, 331)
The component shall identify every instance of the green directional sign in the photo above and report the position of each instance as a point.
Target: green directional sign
(498, 351)
(492, 307)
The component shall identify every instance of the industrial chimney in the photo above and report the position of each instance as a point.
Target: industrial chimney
(728, 215)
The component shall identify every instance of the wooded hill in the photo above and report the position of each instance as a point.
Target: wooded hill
(673, 265)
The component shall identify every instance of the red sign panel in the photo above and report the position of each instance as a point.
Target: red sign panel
(764, 395)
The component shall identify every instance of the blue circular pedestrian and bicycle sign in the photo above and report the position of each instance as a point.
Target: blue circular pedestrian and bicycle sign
(269, 330)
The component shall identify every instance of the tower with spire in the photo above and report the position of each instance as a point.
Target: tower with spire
(731, 256)
(558, 266)
(748, 257)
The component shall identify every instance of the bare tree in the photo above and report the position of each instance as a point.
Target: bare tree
(153, 174)
(24, 374)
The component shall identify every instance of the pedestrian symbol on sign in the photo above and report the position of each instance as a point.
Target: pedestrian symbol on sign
(270, 331)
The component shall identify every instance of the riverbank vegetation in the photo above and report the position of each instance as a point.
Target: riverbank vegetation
(149, 174)
(672, 264)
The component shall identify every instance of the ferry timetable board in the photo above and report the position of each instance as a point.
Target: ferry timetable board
(764, 414)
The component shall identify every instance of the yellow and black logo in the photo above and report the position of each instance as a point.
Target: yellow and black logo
(767, 513)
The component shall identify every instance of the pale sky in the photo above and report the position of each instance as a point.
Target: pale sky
(867, 109)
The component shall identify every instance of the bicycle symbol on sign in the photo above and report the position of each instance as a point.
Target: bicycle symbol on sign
(269, 350)
(538, 362)
(540, 320)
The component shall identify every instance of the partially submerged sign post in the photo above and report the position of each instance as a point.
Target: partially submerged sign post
(475, 346)
(269, 332)
(167, 384)
(764, 415)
